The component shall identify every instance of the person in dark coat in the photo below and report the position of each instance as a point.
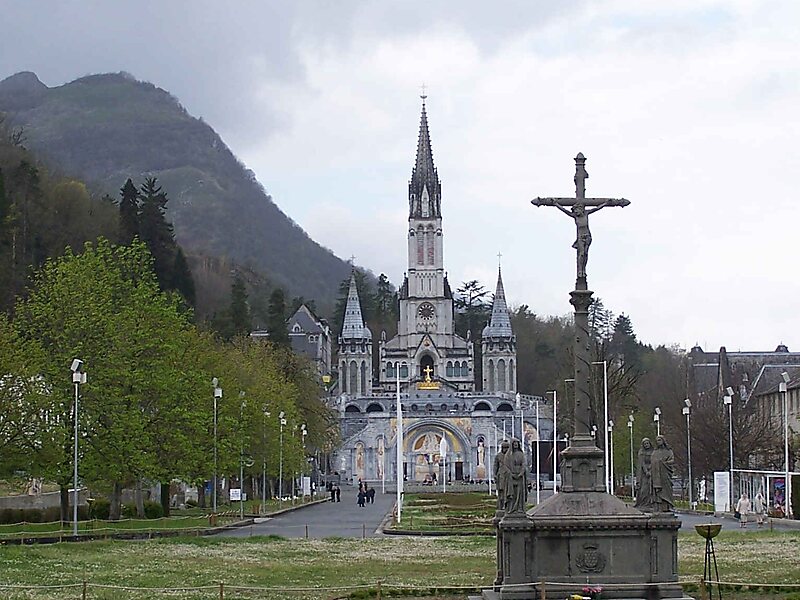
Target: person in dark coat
(371, 495)
(338, 494)
(333, 493)
(362, 497)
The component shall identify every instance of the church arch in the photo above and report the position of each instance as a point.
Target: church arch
(352, 384)
(425, 363)
(464, 369)
(391, 370)
(422, 438)
(373, 407)
(359, 460)
(352, 408)
(501, 376)
(505, 407)
(482, 406)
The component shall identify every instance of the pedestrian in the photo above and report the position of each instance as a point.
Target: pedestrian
(760, 508)
(371, 495)
(362, 496)
(333, 493)
(743, 507)
(338, 494)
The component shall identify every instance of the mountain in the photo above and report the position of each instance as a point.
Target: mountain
(106, 128)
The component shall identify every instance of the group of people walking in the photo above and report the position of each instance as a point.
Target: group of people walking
(365, 496)
(745, 507)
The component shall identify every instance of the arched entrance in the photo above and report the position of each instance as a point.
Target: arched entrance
(424, 463)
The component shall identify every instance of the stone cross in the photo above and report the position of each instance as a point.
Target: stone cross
(576, 208)
(581, 297)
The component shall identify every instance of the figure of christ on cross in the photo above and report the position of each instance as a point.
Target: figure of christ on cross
(578, 209)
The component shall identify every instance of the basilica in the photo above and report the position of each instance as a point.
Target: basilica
(432, 367)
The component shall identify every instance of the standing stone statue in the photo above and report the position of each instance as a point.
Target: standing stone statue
(644, 479)
(500, 470)
(662, 466)
(517, 479)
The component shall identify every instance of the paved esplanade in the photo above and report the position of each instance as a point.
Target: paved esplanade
(327, 519)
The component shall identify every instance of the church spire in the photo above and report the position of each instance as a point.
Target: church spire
(424, 188)
(500, 323)
(353, 327)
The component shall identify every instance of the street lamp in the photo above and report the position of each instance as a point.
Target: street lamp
(555, 437)
(633, 476)
(241, 455)
(610, 431)
(303, 434)
(282, 419)
(686, 410)
(267, 415)
(787, 488)
(657, 420)
(728, 400)
(606, 453)
(443, 454)
(538, 474)
(217, 396)
(78, 377)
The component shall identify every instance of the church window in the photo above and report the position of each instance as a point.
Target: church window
(414, 408)
(464, 369)
(491, 376)
(390, 370)
(449, 369)
(352, 385)
(512, 380)
(501, 376)
(404, 371)
(374, 407)
(431, 247)
(444, 406)
(363, 378)
(505, 407)
(421, 248)
(482, 406)
(352, 408)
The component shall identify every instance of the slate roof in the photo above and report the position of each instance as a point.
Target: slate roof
(354, 327)
(500, 323)
(424, 174)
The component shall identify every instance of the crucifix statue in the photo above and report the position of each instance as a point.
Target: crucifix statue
(579, 208)
(583, 468)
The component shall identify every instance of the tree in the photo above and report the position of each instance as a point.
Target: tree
(241, 321)
(105, 307)
(472, 309)
(128, 212)
(156, 231)
(276, 318)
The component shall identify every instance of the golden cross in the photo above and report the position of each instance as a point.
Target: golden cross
(427, 370)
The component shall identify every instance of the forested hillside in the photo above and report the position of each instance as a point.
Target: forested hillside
(106, 128)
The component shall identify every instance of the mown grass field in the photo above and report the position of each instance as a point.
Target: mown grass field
(451, 564)
(455, 513)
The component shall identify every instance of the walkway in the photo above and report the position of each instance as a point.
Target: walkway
(327, 519)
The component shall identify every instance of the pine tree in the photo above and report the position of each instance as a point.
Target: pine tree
(128, 212)
(276, 318)
(241, 320)
(156, 231)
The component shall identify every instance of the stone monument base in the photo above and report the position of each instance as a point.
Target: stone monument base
(581, 538)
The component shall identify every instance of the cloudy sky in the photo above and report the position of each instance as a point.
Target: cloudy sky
(688, 108)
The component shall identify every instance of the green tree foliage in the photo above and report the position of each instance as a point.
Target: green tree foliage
(105, 307)
(241, 321)
(472, 308)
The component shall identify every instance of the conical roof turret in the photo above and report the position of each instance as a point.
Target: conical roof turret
(500, 323)
(424, 178)
(353, 327)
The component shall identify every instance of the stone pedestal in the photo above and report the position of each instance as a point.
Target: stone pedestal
(583, 536)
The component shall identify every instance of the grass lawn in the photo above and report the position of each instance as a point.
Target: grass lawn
(452, 512)
(763, 557)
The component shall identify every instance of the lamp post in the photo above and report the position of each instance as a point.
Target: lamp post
(217, 396)
(633, 475)
(282, 419)
(78, 377)
(686, 410)
(267, 415)
(555, 436)
(443, 454)
(787, 488)
(606, 454)
(657, 420)
(538, 475)
(241, 456)
(610, 432)
(303, 434)
(728, 401)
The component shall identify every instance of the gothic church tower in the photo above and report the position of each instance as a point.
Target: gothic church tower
(499, 346)
(355, 348)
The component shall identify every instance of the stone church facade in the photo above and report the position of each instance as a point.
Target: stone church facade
(435, 368)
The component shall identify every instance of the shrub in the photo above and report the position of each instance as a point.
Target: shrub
(101, 509)
(191, 503)
(153, 510)
(128, 511)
